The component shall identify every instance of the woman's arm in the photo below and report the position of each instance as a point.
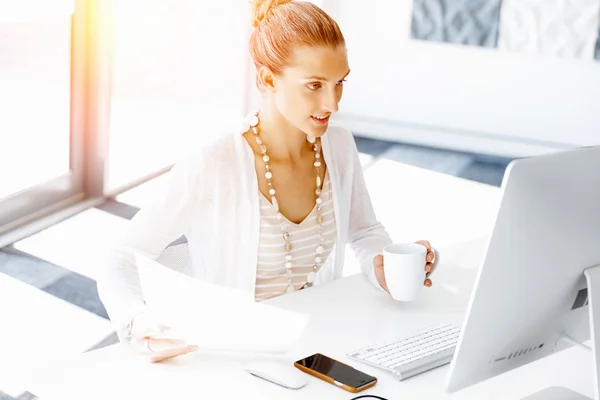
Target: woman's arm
(156, 225)
(367, 236)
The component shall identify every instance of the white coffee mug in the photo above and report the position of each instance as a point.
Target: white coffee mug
(404, 269)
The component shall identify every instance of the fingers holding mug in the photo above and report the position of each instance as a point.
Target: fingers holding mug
(430, 261)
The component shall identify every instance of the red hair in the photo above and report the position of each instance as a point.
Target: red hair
(283, 25)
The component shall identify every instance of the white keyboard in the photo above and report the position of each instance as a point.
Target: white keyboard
(413, 355)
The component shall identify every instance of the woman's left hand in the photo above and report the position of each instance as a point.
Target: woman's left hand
(430, 264)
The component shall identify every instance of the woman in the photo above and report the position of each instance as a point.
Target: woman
(267, 211)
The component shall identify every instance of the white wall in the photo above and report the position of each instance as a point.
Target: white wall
(464, 97)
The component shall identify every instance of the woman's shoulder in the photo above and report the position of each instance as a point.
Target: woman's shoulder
(200, 168)
(222, 147)
(338, 131)
(341, 140)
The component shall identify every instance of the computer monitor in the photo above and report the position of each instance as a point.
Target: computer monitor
(531, 297)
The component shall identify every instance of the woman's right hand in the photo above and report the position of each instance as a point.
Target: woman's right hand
(156, 341)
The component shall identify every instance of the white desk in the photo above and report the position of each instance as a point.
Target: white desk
(347, 314)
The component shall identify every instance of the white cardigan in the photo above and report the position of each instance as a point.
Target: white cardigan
(212, 198)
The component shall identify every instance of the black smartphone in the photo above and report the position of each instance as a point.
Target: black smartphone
(336, 373)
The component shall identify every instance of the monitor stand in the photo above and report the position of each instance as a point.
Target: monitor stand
(556, 393)
(592, 276)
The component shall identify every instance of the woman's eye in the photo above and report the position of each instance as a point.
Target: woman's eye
(315, 86)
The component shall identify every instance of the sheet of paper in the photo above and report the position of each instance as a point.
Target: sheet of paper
(214, 317)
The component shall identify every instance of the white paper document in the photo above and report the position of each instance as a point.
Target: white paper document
(214, 317)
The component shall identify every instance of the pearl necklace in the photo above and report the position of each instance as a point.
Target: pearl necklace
(320, 249)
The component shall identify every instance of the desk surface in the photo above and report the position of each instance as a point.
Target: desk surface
(347, 314)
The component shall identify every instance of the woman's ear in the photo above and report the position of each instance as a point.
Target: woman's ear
(265, 79)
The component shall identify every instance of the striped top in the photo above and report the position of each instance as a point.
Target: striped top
(271, 274)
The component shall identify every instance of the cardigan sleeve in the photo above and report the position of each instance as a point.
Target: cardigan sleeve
(163, 220)
(367, 236)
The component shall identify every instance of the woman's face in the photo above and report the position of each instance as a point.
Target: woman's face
(309, 89)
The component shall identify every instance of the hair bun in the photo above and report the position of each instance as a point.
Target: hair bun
(262, 8)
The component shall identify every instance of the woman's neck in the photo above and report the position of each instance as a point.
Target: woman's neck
(284, 141)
